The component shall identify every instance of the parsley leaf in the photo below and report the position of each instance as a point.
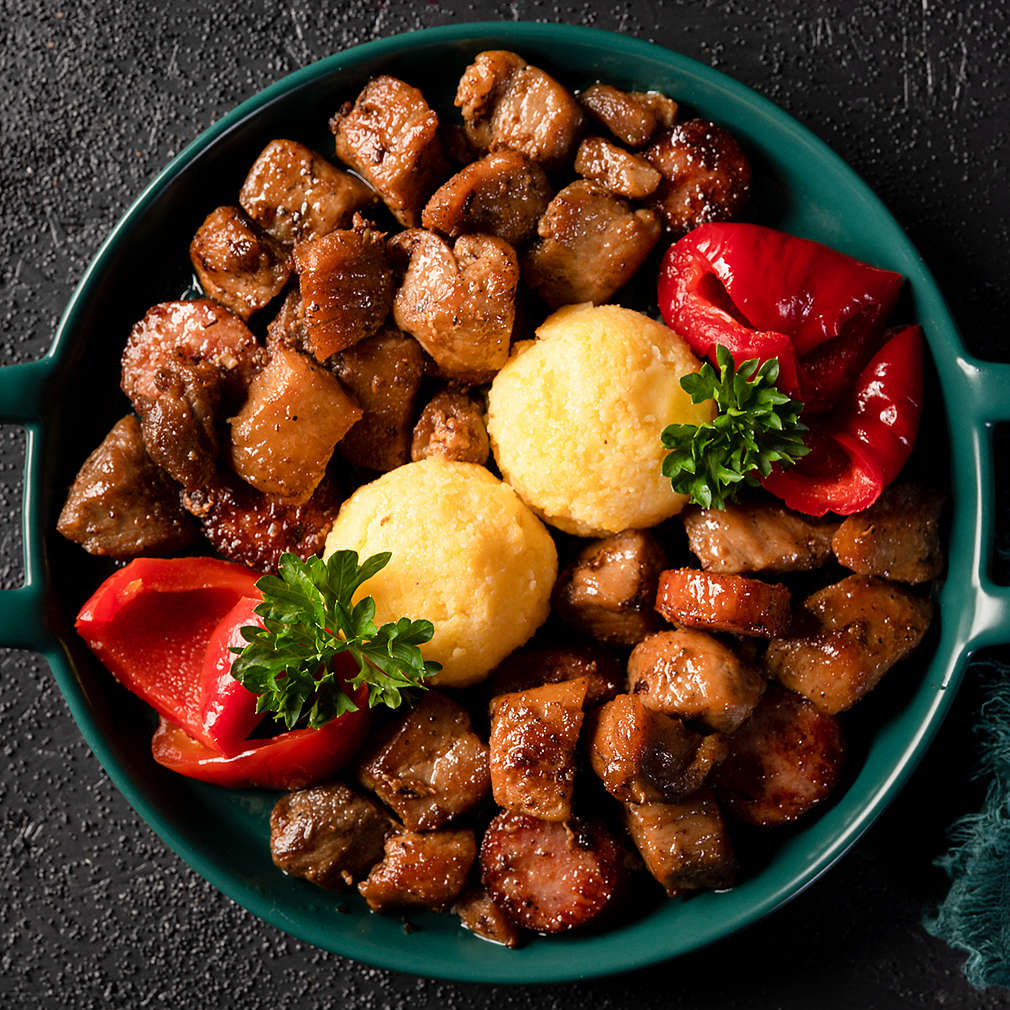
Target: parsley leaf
(309, 619)
(756, 426)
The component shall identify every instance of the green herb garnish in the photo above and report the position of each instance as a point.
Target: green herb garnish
(755, 427)
(310, 619)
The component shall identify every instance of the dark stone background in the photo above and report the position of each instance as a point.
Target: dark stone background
(94, 911)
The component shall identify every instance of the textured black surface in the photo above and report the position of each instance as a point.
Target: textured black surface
(97, 96)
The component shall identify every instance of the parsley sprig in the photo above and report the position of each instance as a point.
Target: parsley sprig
(756, 426)
(310, 619)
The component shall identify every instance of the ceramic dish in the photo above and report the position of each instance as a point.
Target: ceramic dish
(68, 401)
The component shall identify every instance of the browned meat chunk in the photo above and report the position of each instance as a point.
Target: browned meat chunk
(693, 599)
(346, 283)
(384, 373)
(550, 877)
(896, 538)
(390, 137)
(479, 914)
(294, 194)
(283, 437)
(451, 426)
(459, 303)
(429, 766)
(237, 264)
(591, 243)
(784, 760)
(533, 738)
(528, 668)
(706, 175)
(642, 756)
(685, 845)
(758, 537)
(503, 194)
(287, 328)
(328, 834)
(610, 590)
(121, 504)
(426, 870)
(626, 174)
(847, 637)
(506, 103)
(255, 529)
(632, 117)
(694, 676)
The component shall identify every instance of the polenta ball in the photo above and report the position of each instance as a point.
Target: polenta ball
(575, 419)
(467, 555)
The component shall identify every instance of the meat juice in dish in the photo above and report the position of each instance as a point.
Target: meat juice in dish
(415, 357)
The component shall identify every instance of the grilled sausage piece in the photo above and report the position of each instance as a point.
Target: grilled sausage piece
(533, 738)
(429, 766)
(550, 877)
(384, 374)
(506, 103)
(590, 245)
(898, 537)
(426, 869)
(631, 116)
(293, 194)
(693, 599)
(479, 914)
(694, 676)
(757, 537)
(609, 591)
(328, 834)
(502, 194)
(685, 845)
(846, 638)
(459, 302)
(622, 172)
(706, 175)
(527, 668)
(389, 136)
(451, 426)
(237, 263)
(121, 504)
(643, 756)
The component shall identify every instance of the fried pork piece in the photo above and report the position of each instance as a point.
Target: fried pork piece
(896, 538)
(527, 668)
(426, 870)
(506, 103)
(693, 599)
(643, 756)
(626, 174)
(429, 765)
(384, 373)
(458, 303)
(255, 529)
(590, 244)
(706, 175)
(503, 194)
(287, 328)
(533, 738)
(479, 914)
(694, 676)
(328, 834)
(121, 504)
(685, 845)
(785, 759)
(631, 116)
(389, 136)
(293, 194)
(609, 591)
(757, 537)
(451, 426)
(237, 263)
(847, 637)
(346, 284)
(283, 437)
(550, 877)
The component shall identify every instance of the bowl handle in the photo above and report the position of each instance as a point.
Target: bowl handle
(984, 400)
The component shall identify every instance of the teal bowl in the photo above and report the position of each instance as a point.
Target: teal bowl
(68, 400)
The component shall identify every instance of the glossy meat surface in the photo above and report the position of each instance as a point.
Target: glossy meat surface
(626, 174)
(479, 914)
(451, 426)
(527, 668)
(631, 116)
